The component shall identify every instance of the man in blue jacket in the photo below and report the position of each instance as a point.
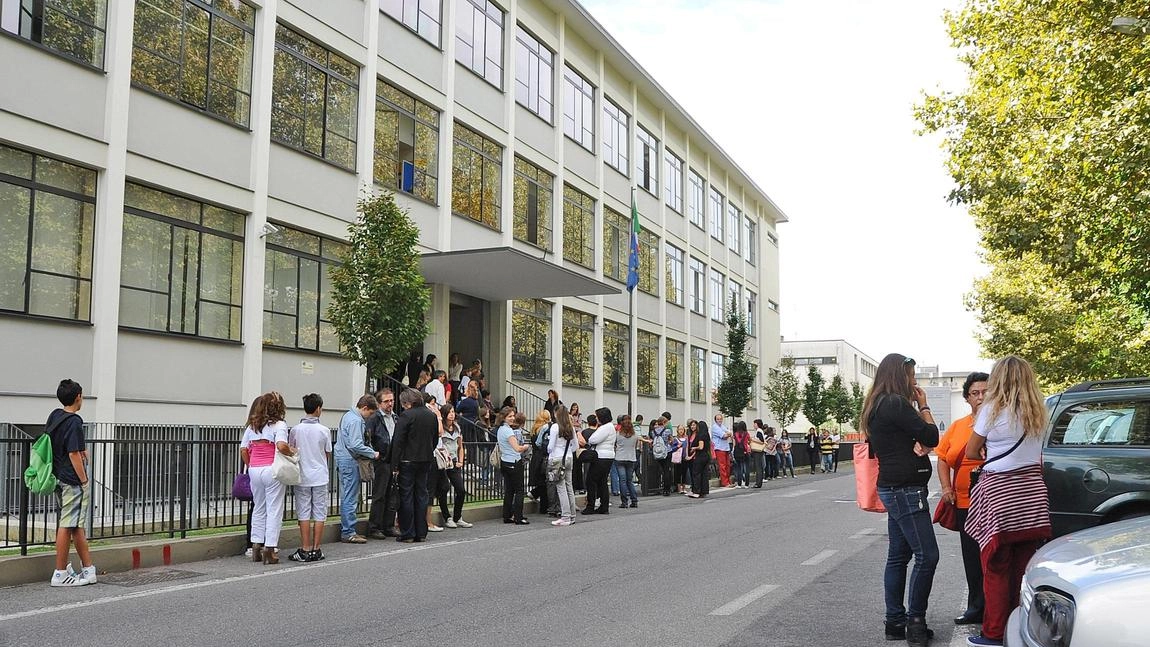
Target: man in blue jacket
(350, 445)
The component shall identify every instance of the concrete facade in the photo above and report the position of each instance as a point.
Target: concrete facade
(832, 357)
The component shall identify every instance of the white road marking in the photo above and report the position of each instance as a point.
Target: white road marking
(237, 578)
(796, 493)
(862, 533)
(743, 600)
(819, 558)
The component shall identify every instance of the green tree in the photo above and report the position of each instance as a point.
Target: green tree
(781, 393)
(814, 397)
(378, 295)
(858, 398)
(838, 401)
(734, 392)
(1049, 147)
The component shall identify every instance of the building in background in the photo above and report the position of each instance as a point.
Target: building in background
(832, 357)
(176, 179)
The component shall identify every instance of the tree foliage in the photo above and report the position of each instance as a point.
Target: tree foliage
(378, 294)
(858, 398)
(781, 393)
(838, 400)
(814, 397)
(1050, 150)
(734, 392)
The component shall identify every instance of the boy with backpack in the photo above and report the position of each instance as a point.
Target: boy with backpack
(65, 428)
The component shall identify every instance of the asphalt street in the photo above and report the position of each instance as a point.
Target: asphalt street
(796, 563)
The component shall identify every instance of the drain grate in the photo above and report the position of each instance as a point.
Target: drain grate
(141, 578)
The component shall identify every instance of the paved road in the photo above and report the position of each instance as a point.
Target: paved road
(793, 564)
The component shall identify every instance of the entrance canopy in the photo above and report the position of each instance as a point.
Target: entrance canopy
(506, 273)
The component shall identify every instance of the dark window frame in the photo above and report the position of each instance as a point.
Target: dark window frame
(647, 343)
(30, 28)
(485, 159)
(674, 356)
(647, 160)
(616, 334)
(486, 9)
(535, 49)
(419, 13)
(584, 323)
(584, 209)
(533, 367)
(580, 130)
(325, 262)
(616, 126)
(537, 181)
(429, 175)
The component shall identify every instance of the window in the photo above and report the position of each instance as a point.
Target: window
(198, 52)
(752, 242)
(534, 194)
(674, 180)
(1115, 423)
(476, 172)
(674, 274)
(696, 200)
(314, 96)
(615, 137)
(698, 374)
(420, 16)
(616, 353)
(578, 227)
(649, 268)
(717, 304)
(578, 347)
(47, 214)
(616, 244)
(531, 340)
(673, 360)
(734, 295)
(698, 286)
(533, 74)
(734, 228)
(752, 313)
(578, 109)
(297, 290)
(647, 369)
(774, 239)
(406, 143)
(648, 162)
(718, 370)
(479, 39)
(716, 215)
(182, 265)
(772, 305)
(74, 29)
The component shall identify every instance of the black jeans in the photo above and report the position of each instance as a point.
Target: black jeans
(702, 475)
(664, 465)
(972, 564)
(597, 487)
(758, 459)
(413, 499)
(813, 455)
(382, 516)
(512, 490)
(450, 479)
(772, 465)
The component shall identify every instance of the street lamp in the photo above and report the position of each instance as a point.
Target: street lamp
(1131, 26)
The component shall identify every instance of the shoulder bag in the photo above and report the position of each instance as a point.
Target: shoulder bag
(443, 459)
(285, 469)
(557, 469)
(866, 478)
(977, 472)
(242, 485)
(946, 513)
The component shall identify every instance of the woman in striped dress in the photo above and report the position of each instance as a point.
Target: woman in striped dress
(1009, 515)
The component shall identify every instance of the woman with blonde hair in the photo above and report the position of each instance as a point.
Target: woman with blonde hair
(266, 433)
(537, 466)
(1009, 512)
(898, 423)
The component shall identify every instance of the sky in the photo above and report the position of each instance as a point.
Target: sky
(814, 99)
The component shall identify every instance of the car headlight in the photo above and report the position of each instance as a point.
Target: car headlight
(1051, 619)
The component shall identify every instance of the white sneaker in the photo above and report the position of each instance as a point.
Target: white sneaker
(451, 524)
(434, 528)
(88, 574)
(248, 552)
(64, 578)
(557, 522)
(462, 524)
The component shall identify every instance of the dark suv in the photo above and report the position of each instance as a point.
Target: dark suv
(1097, 453)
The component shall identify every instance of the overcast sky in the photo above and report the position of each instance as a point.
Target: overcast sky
(814, 99)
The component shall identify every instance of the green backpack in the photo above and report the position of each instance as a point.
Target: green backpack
(38, 477)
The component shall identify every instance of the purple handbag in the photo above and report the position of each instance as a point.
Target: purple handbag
(242, 487)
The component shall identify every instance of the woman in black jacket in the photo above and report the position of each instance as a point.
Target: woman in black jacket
(898, 424)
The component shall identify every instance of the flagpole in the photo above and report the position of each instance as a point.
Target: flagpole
(633, 354)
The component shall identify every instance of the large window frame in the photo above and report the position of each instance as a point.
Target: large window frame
(408, 143)
(299, 58)
(752, 310)
(616, 244)
(616, 136)
(697, 200)
(60, 26)
(48, 218)
(698, 285)
(718, 370)
(578, 109)
(673, 358)
(717, 295)
(479, 26)
(578, 348)
(734, 228)
(649, 266)
(197, 57)
(533, 200)
(616, 356)
(717, 213)
(647, 363)
(698, 374)
(172, 232)
(477, 177)
(417, 16)
(531, 339)
(751, 233)
(673, 184)
(533, 70)
(578, 227)
(676, 266)
(647, 161)
(734, 293)
(298, 289)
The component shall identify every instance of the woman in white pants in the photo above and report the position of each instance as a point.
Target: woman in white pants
(265, 434)
(561, 451)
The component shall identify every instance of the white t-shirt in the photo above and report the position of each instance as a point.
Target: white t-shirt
(435, 388)
(313, 442)
(262, 454)
(556, 445)
(1001, 434)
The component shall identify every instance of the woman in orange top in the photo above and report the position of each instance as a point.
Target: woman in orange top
(954, 476)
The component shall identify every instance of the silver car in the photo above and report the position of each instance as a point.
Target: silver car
(1089, 588)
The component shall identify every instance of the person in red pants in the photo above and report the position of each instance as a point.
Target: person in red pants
(1009, 515)
(721, 440)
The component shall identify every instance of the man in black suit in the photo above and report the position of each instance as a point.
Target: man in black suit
(381, 428)
(412, 447)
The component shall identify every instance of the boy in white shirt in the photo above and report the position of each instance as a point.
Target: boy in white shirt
(312, 442)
